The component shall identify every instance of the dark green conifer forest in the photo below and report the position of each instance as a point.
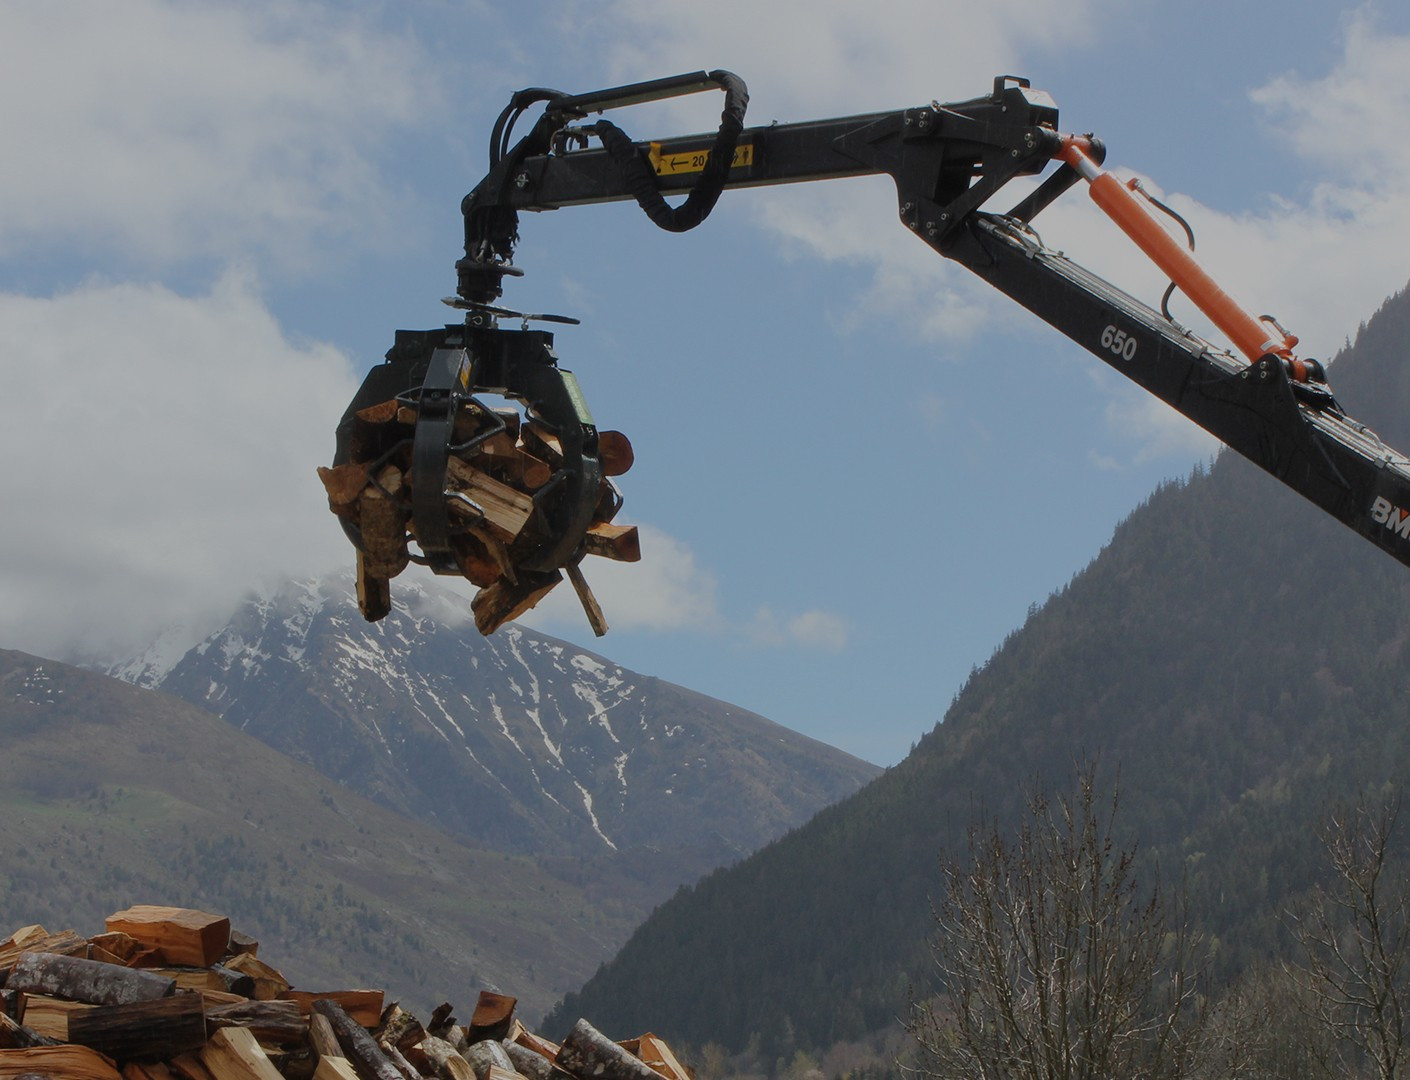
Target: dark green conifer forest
(1234, 663)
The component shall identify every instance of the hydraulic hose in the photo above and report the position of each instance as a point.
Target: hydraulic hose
(701, 199)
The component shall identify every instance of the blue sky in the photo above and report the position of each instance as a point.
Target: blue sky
(856, 469)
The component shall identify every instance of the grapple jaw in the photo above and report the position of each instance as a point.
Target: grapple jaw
(507, 497)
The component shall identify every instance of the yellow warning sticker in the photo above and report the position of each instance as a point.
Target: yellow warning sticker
(678, 162)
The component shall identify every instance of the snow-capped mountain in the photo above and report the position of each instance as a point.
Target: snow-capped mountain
(518, 741)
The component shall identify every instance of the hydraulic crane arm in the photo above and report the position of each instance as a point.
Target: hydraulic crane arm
(947, 161)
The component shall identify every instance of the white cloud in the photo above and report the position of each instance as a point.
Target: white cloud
(667, 590)
(804, 59)
(1341, 120)
(1154, 429)
(160, 131)
(823, 631)
(161, 455)
(1320, 258)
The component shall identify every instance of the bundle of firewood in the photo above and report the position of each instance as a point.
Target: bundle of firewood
(172, 994)
(490, 496)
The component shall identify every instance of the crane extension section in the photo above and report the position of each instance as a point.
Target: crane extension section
(509, 502)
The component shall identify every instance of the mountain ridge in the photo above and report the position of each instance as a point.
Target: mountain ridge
(519, 742)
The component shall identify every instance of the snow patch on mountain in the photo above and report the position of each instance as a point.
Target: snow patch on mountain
(516, 740)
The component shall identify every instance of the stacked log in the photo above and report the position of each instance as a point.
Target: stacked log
(499, 465)
(170, 993)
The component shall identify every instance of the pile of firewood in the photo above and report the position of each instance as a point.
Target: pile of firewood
(490, 495)
(172, 994)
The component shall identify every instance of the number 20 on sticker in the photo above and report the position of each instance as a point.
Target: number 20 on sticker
(1119, 343)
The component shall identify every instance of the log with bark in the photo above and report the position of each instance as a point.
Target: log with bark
(533, 1065)
(445, 1061)
(89, 981)
(268, 983)
(588, 1052)
(358, 1046)
(216, 977)
(277, 1022)
(485, 1055)
(143, 1030)
(399, 1028)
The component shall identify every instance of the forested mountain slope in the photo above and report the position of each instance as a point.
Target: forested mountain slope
(1234, 660)
(113, 795)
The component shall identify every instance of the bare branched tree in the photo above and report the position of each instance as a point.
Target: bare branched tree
(1052, 962)
(1261, 1028)
(1355, 939)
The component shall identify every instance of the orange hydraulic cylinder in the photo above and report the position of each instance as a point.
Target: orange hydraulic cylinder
(1251, 335)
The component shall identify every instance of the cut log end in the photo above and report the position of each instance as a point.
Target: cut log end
(504, 601)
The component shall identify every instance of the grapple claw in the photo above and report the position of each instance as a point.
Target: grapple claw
(501, 497)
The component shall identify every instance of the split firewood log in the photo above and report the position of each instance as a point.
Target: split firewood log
(537, 1043)
(399, 1028)
(591, 608)
(17, 1036)
(335, 1068)
(267, 982)
(588, 1052)
(654, 1052)
(505, 509)
(48, 1016)
(364, 1006)
(235, 1054)
(185, 936)
(65, 1062)
(617, 542)
(36, 939)
(360, 1048)
(614, 453)
(382, 517)
(532, 1065)
(494, 1013)
(322, 1037)
(446, 1063)
(344, 483)
(498, 603)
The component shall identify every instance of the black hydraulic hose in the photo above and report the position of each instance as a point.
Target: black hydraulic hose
(1189, 236)
(504, 125)
(702, 197)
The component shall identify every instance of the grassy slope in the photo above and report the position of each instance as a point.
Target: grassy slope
(112, 795)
